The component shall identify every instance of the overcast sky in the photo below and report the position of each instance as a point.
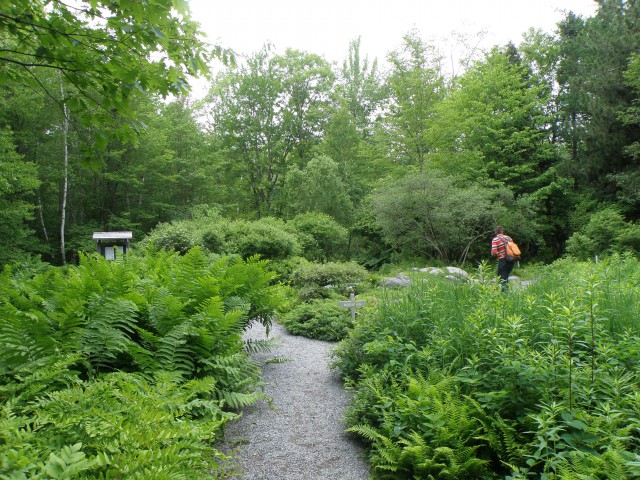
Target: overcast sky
(326, 27)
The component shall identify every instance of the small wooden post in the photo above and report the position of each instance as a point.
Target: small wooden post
(352, 304)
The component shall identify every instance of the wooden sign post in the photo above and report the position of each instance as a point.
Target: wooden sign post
(352, 304)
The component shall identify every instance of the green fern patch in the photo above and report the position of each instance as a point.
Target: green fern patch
(127, 369)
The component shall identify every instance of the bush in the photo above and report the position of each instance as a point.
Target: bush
(320, 319)
(320, 236)
(171, 236)
(267, 238)
(605, 233)
(214, 237)
(284, 269)
(320, 280)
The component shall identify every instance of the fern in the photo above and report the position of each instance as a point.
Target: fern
(165, 310)
(24, 336)
(502, 437)
(223, 328)
(146, 426)
(611, 464)
(107, 334)
(159, 314)
(191, 280)
(254, 346)
(367, 432)
(175, 350)
(32, 379)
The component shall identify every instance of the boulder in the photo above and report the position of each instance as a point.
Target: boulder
(432, 271)
(458, 272)
(397, 281)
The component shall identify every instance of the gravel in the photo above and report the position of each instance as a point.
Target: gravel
(302, 435)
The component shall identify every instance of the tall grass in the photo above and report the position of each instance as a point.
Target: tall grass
(549, 373)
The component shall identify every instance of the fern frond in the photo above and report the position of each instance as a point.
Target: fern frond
(367, 432)
(237, 401)
(107, 334)
(42, 375)
(175, 350)
(165, 310)
(253, 346)
(278, 360)
(24, 336)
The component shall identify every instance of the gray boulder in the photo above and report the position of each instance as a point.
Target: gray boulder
(397, 281)
(458, 272)
(432, 271)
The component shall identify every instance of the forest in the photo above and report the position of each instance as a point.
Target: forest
(290, 184)
(541, 137)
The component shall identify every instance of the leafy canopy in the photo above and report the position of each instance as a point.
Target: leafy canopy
(109, 52)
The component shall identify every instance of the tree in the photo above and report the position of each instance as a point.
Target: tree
(496, 116)
(360, 88)
(432, 216)
(318, 187)
(108, 52)
(18, 181)
(498, 128)
(267, 115)
(572, 117)
(416, 85)
(596, 53)
(306, 82)
(161, 178)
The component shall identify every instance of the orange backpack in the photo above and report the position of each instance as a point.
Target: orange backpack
(512, 251)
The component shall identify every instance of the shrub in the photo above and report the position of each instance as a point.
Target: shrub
(285, 268)
(267, 238)
(606, 232)
(320, 236)
(138, 415)
(171, 236)
(214, 237)
(319, 280)
(320, 319)
(154, 340)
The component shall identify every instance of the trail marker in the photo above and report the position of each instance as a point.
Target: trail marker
(352, 303)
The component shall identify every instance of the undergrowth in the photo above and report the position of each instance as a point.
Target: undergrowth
(127, 369)
(319, 319)
(463, 381)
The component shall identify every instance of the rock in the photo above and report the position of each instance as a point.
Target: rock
(397, 281)
(458, 272)
(432, 271)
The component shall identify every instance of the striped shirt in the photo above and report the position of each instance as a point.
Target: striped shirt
(499, 246)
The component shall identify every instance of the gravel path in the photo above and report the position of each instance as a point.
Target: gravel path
(302, 436)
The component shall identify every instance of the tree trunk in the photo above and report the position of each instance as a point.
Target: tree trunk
(41, 217)
(65, 182)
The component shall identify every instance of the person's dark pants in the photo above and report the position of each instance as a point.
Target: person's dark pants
(504, 270)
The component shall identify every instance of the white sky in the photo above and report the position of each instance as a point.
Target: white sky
(326, 27)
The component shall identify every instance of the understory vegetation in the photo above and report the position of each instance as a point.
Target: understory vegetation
(127, 369)
(458, 380)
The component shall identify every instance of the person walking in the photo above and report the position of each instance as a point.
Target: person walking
(499, 250)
